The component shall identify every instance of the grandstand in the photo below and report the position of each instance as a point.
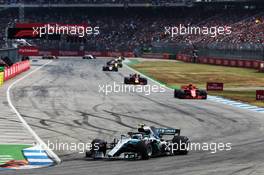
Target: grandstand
(139, 29)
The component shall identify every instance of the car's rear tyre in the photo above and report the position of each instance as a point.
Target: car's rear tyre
(145, 81)
(176, 92)
(126, 80)
(88, 153)
(203, 94)
(180, 145)
(179, 93)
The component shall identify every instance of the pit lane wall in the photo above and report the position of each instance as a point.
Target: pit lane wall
(15, 69)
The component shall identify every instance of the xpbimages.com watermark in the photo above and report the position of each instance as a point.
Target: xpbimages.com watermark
(81, 31)
(212, 147)
(212, 31)
(80, 147)
(125, 88)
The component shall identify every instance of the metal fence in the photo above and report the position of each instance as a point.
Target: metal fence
(11, 53)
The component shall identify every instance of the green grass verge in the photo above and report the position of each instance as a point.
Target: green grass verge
(13, 150)
(132, 62)
(244, 96)
(240, 83)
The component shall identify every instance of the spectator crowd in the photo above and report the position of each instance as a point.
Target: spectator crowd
(90, 1)
(130, 29)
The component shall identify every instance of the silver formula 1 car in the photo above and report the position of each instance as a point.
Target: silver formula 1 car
(147, 142)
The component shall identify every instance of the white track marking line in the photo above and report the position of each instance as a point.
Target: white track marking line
(41, 142)
(5, 156)
(40, 160)
(34, 154)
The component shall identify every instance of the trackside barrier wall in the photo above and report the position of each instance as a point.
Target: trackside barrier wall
(254, 64)
(16, 69)
(159, 56)
(153, 55)
(82, 53)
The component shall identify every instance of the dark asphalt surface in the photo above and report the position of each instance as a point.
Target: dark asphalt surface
(61, 103)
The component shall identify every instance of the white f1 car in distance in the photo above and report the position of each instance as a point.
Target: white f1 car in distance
(89, 57)
(147, 142)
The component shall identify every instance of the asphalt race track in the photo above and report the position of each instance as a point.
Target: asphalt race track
(61, 103)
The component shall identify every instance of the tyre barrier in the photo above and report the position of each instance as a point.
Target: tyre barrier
(16, 69)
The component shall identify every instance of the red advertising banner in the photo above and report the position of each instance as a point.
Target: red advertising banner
(153, 55)
(203, 60)
(256, 64)
(94, 53)
(166, 56)
(128, 54)
(233, 63)
(248, 64)
(253, 64)
(260, 95)
(70, 53)
(28, 51)
(82, 53)
(214, 86)
(218, 61)
(211, 60)
(240, 63)
(113, 54)
(16, 69)
(261, 67)
(226, 62)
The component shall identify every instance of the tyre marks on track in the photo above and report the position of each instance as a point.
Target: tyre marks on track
(116, 120)
(85, 121)
(45, 122)
(136, 118)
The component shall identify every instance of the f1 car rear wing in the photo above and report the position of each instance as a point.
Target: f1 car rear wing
(168, 131)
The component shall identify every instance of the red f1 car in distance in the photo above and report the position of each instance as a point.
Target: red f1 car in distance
(135, 79)
(190, 92)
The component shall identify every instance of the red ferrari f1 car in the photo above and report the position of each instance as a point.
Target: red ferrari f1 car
(135, 79)
(190, 92)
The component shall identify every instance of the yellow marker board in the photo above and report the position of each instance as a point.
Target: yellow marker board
(1, 78)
